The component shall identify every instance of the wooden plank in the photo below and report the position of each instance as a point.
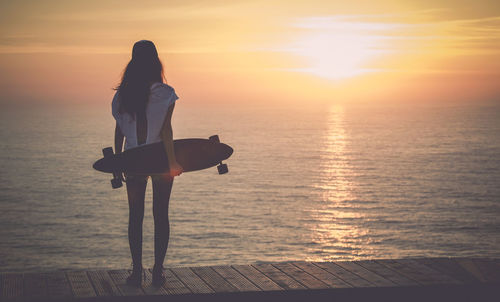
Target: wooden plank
(191, 280)
(489, 269)
(149, 288)
(103, 284)
(366, 274)
(257, 278)
(406, 271)
(254, 278)
(214, 280)
(12, 285)
(387, 273)
(327, 278)
(173, 285)
(34, 285)
(280, 278)
(236, 279)
(471, 268)
(58, 286)
(451, 268)
(422, 275)
(80, 284)
(119, 277)
(486, 271)
(342, 273)
(301, 276)
(433, 275)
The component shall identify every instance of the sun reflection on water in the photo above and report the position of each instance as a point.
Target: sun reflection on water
(335, 161)
(335, 232)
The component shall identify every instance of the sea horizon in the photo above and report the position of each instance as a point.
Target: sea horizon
(324, 183)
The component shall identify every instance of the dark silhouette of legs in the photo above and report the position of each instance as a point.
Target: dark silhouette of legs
(136, 191)
(162, 187)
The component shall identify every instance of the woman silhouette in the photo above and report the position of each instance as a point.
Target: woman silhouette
(142, 107)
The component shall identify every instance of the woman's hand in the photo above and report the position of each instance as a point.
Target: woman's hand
(175, 169)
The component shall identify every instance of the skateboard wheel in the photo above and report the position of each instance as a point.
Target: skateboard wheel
(116, 183)
(214, 138)
(107, 151)
(222, 168)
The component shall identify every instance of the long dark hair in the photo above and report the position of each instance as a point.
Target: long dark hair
(144, 69)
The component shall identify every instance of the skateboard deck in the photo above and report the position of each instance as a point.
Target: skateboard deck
(192, 154)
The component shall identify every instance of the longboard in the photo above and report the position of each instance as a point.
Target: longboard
(192, 154)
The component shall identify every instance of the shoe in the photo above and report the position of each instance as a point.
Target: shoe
(158, 276)
(135, 278)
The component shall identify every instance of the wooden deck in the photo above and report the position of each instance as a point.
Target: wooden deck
(423, 279)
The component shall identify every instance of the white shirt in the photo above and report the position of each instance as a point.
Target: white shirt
(161, 98)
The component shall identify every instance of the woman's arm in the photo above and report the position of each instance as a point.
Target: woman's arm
(118, 139)
(167, 137)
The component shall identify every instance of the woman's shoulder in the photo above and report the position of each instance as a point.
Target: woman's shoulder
(162, 91)
(161, 88)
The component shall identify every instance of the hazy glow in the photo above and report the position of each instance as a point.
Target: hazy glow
(337, 48)
(252, 51)
(335, 56)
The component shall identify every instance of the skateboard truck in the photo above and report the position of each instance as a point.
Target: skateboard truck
(222, 168)
(116, 182)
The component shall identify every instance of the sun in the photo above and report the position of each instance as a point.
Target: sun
(336, 56)
(339, 50)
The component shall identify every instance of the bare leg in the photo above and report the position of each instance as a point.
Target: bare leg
(136, 191)
(162, 187)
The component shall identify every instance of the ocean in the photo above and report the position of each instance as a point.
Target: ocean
(322, 182)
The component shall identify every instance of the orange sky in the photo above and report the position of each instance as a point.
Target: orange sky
(300, 52)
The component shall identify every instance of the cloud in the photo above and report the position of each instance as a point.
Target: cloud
(479, 35)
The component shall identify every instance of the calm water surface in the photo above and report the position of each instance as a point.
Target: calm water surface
(321, 183)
